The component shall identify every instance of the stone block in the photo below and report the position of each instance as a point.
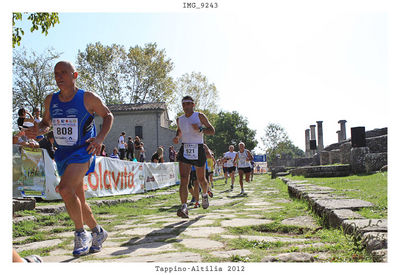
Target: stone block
(375, 161)
(334, 156)
(53, 209)
(362, 226)
(23, 204)
(316, 159)
(345, 150)
(290, 257)
(352, 204)
(374, 241)
(337, 216)
(377, 144)
(357, 159)
(324, 157)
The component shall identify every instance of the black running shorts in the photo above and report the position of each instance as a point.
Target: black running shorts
(245, 169)
(200, 162)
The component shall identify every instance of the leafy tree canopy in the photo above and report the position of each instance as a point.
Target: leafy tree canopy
(44, 20)
(230, 129)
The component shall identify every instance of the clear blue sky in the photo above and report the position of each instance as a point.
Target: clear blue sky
(291, 65)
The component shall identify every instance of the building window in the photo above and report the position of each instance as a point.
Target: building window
(139, 131)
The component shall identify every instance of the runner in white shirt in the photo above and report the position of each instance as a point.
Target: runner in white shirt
(243, 159)
(192, 152)
(229, 157)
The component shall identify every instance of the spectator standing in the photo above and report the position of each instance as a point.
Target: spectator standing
(129, 153)
(122, 145)
(142, 155)
(137, 146)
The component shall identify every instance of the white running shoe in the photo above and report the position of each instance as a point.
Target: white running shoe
(81, 243)
(204, 201)
(98, 239)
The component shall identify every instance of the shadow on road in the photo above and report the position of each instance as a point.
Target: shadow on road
(156, 238)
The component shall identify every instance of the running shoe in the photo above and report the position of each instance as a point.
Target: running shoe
(204, 201)
(231, 187)
(226, 181)
(197, 204)
(242, 192)
(183, 212)
(210, 193)
(98, 239)
(81, 243)
(192, 201)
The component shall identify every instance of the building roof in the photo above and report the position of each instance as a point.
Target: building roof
(152, 106)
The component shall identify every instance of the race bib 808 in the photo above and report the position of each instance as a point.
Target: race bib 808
(65, 131)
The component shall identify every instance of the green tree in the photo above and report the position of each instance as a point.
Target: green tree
(44, 20)
(196, 85)
(147, 75)
(231, 128)
(277, 143)
(100, 71)
(33, 78)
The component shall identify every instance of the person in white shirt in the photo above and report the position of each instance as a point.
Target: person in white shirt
(190, 131)
(229, 164)
(122, 145)
(243, 159)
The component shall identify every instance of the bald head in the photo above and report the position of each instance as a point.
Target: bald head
(67, 65)
(65, 75)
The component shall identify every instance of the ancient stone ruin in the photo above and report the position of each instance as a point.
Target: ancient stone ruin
(363, 152)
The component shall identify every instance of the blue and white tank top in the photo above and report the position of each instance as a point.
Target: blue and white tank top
(72, 123)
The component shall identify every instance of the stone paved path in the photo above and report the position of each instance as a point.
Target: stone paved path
(212, 235)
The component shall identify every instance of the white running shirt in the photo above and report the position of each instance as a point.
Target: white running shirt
(231, 155)
(242, 162)
(190, 135)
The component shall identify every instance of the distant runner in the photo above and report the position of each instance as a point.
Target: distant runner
(243, 159)
(230, 165)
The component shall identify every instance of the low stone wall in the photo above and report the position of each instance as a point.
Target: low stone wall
(377, 144)
(375, 161)
(338, 211)
(322, 171)
(376, 132)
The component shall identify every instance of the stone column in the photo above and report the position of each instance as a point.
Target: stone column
(342, 129)
(307, 132)
(338, 135)
(312, 130)
(320, 136)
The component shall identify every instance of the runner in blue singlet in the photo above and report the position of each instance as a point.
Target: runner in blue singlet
(71, 112)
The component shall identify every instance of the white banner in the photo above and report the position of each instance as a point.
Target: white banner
(114, 177)
(159, 175)
(35, 175)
